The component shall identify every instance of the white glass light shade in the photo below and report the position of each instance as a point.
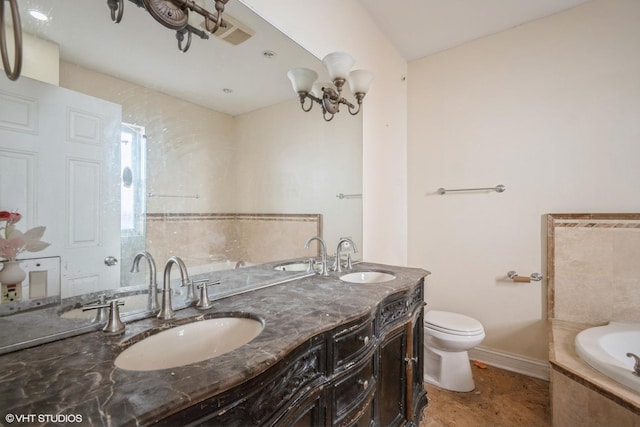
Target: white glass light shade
(302, 79)
(360, 80)
(317, 88)
(338, 64)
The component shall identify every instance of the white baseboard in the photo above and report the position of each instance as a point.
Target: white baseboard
(511, 362)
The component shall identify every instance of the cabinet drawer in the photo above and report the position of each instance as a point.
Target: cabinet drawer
(352, 342)
(351, 392)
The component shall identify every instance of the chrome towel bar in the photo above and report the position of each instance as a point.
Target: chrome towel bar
(348, 196)
(498, 189)
(177, 196)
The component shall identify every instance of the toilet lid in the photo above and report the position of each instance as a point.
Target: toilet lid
(454, 323)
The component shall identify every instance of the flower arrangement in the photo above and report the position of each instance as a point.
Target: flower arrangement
(14, 242)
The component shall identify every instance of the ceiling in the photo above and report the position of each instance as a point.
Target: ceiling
(144, 52)
(419, 28)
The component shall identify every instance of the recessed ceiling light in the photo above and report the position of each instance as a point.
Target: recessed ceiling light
(38, 15)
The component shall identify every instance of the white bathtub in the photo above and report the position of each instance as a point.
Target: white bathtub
(605, 348)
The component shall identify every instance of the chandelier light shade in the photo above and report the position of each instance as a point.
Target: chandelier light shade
(302, 79)
(338, 65)
(329, 94)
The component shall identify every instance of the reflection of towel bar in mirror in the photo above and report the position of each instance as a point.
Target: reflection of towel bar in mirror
(498, 189)
(348, 196)
(179, 196)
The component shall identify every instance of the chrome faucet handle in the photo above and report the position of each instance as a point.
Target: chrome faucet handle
(114, 325)
(191, 289)
(204, 302)
(102, 313)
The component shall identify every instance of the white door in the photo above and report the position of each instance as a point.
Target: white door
(60, 167)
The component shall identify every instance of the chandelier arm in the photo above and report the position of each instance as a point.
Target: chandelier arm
(324, 115)
(180, 37)
(208, 16)
(17, 37)
(116, 6)
(351, 106)
(302, 99)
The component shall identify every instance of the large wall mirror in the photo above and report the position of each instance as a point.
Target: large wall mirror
(213, 159)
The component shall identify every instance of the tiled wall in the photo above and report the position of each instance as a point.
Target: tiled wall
(593, 268)
(595, 262)
(217, 238)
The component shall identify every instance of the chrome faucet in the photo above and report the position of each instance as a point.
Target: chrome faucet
(343, 240)
(636, 367)
(166, 311)
(325, 270)
(152, 303)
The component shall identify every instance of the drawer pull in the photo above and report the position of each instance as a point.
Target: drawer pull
(411, 359)
(364, 384)
(365, 340)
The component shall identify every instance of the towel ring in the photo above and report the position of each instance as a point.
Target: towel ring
(17, 38)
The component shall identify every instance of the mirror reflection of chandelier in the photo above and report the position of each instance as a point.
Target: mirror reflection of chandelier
(178, 15)
(329, 94)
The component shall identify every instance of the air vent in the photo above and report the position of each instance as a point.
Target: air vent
(235, 32)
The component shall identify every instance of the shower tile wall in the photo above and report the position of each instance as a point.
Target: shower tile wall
(596, 269)
(219, 238)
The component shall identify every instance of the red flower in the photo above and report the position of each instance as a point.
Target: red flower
(10, 217)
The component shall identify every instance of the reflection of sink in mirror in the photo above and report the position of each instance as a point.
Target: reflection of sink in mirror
(295, 266)
(190, 343)
(368, 277)
(131, 303)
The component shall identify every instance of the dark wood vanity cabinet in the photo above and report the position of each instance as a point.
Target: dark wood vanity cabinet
(367, 372)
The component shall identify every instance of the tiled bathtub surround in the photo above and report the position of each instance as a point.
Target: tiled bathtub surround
(593, 272)
(217, 239)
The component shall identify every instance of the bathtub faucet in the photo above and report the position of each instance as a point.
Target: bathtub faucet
(636, 367)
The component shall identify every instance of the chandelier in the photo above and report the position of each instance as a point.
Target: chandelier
(174, 14)
(329, 95)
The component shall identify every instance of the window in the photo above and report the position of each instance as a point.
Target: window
(133, 180)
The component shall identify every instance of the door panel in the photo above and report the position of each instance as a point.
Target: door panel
(64, 152)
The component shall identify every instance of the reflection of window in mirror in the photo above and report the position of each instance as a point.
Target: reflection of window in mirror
(132, 186)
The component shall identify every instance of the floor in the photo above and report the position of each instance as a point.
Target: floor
(500, 399)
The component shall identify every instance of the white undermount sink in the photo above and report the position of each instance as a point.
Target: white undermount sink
(190, 343)
(368, 277)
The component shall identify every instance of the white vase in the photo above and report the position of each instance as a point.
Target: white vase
(11, 273)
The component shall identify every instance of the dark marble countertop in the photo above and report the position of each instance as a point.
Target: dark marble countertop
(76, 377)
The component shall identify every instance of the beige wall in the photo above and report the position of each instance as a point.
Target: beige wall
(349, 28)
(550, 109)
(302, 169)
(190, 148)
(40, 58)
(283, 159)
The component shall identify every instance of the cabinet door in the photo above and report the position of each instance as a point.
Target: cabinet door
(392, 386)
(416, 394)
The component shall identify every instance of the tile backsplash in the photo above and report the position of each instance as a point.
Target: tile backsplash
(593, 263)
(213, 238)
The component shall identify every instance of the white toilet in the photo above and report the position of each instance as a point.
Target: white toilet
(447, 337)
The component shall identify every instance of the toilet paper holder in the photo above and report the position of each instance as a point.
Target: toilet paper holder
(535, 277)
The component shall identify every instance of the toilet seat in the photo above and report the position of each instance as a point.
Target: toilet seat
(452, 323)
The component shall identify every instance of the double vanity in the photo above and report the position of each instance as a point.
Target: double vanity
(301, 349)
